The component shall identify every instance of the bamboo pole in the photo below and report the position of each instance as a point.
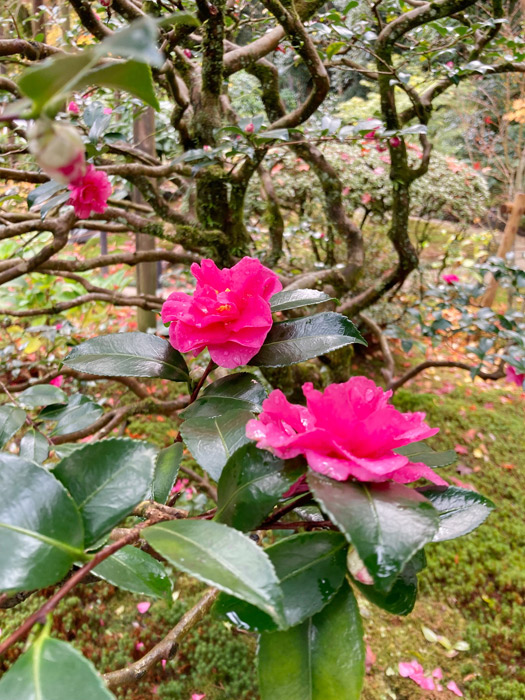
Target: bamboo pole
(506, 244)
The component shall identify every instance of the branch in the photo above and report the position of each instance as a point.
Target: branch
(32, 50)
(165, 649)
(89, 19)
(388, 371)
(22, 175)
(499, 373)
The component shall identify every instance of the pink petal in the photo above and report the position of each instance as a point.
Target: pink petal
(370, 658)
(454, 688)
(57, 381)
(437, 673)
(143, 607)
(163, 663)
(423, 681)
(408, 669)
(198, 696)
(139, 646)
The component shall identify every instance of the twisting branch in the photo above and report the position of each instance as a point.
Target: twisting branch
(165, 649)
(498, 373)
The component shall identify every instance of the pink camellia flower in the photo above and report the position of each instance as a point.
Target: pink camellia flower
(248, 129)
(90, 192)
(58, 149)
(73, 108)
(229, 312)
(57, 381)
(395, 141)
(349, 430)
(512, 377)
(370, 136)
(450, 279)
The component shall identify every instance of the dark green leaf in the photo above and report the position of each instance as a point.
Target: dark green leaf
(295, 298)
(166, 470)
(41, 532)
(12, 419)
(321, 659)
(137, 41)
(387, 523)
(310, 567)
(212, 441)
(460, 510)
(79, 413)
(421, 452)
(52, 670)
(129, 355)
(43, 192)
(107, 479)
(136, 571)
(34, 446)
(43, 81)
(251, 483)
(131, 76)
(241, 391)
(295, 341)
(222, 557)
(179, 18)
(52, 203)
(42, 395)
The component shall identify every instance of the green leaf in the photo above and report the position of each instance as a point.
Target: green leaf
(166, 470)
(401, 598)
(52, 670)
(79, 413)
(421, 452)
(41, 532)
(239, 390)
(387, 523)
(251, 483)
(310, 567)
(131, 76)
(107, 479)
(295, 298)
(43, 81)
(129, 355)
(321, 659)
(43, 192)
(222, 557)
(460, 510)
(136, 571)
(295, 341)
(34, 446)
(12, 419)
(178, 19)
(137, 41)
(212, 441)
(42, 395)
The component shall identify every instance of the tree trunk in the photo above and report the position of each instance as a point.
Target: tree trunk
(146, 273)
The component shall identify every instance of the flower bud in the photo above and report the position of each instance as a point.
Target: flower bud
(249, 128)
(395, 142)
(58, 149)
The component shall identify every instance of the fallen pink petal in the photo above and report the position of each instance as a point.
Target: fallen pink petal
(143, 607)
(437, 673)
(454, 689)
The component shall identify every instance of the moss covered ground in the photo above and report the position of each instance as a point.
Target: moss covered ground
(472, 592)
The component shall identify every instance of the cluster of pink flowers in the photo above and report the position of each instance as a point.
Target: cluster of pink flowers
(59, 150)
(229, 312)
(348, 431)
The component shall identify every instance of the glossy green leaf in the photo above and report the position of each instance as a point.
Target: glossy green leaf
(132, 76)
(421, 452)
(460, 510)
(251, 483)
(222, 557)
(310, 567)
(34, 446)
(137, 41)
(401, 598)
(166, 470)
(295, 298)
(240, 390)
(53, 670)
(321, 659)
(212, 441)
(12, 419)
(43, 192)
(42, 395)
(136, 571)
(387, 522)
(295, 341)
(129, 355)
(42, 82)
(79, 413)
(178, 19)
(107, 479)
(41, 532)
